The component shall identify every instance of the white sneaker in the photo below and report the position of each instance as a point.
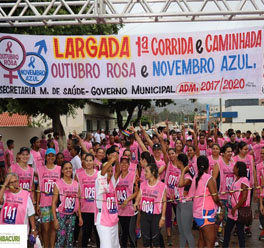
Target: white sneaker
(216, 244)
(260, 227)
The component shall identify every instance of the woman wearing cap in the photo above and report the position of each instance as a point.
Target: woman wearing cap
(67, 191)
(106, 209)
(17, 205)
(24, 171)
(126, 191)
(151, 201)
(48, 176)
(86, 179)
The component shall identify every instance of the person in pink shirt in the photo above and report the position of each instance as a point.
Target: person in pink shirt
(9, 154)
(237, 200)
(204, 208)
(202, 144)
(151, 201)
(171, 181)
(88, 141)
(248, 139)
(132, 167)
(56, 138)
(214, 158)
(86, 179)
(17, 205)
(48, 175)
(126, 191)
(224, 175)
(67, 191)
(59, 159)
(106, 204)
(67, 152)
(43, 142)
(257, 150)
(99, 156)
(24, 171)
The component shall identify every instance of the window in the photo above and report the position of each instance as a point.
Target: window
(89, 125)
(98, 124)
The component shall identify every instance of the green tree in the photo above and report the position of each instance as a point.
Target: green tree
(127, 107)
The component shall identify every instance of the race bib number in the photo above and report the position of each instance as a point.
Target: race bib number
(9, 213)
(229, 204)
(49, 186)
(147, 205)
(229, 181)
(172, 180)
(89, 192)
(203, 152)
(121, 194)
(69, 204)
(110, 203)
(24, 184)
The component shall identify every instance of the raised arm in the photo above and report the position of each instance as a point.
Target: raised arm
(195, 143)
(83, 146)
(138, 139)
(183, 134)
(163, 148)
(146, 136)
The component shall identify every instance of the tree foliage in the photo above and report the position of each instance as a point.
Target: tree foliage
(127, 107)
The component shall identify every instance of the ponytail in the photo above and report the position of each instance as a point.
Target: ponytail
(203, 165)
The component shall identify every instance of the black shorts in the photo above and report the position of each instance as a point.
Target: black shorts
(2, 164)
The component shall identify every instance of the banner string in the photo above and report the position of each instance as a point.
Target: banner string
(188, 198)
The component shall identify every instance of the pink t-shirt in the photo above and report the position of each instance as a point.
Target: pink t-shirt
(87, 144)
(124, 189)
(227, 177)
(257, 152)
(172, 179)
(202, 148)
(235, 197)
(260, 173)
(47, 179)
(67, 155)
(193, 165)
(160, 163)
(14, 210)
(87, 187)
(151, 197)
(25, 177)
(202, 203)
(212, 162)
(248, 160)
(68, 197)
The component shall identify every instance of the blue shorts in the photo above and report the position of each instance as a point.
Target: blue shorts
(206, 220)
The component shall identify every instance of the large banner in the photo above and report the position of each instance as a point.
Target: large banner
(177, 65)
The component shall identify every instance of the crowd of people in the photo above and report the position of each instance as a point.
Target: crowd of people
(122, 186)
